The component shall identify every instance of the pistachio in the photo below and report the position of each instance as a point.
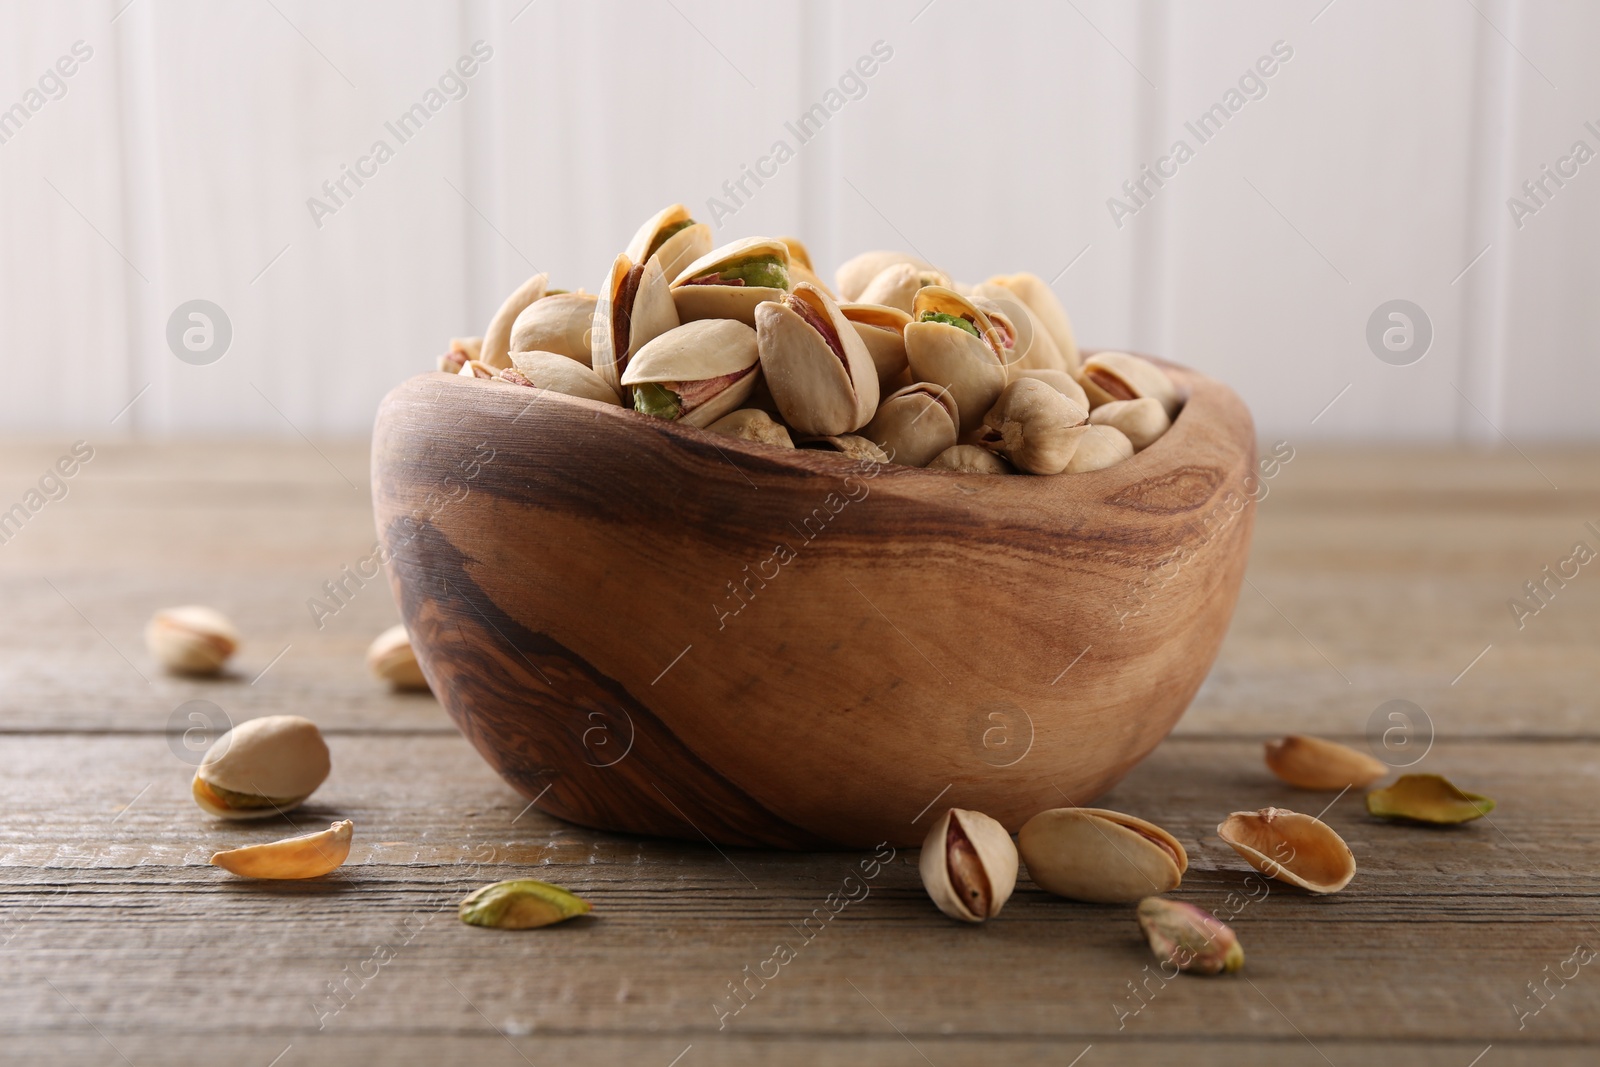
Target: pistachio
(557, 373)
(1291, 847)
(800, 268)
(1061, 382)
(262, 767)
(1142, 421)
(970, 459)
(695, 373)
(896, 286)
(191, 639)
(752, 424)
(461, 350)
(634, 308)
(915, 424)
(1189, 938)
(1430, 798)
(1033, 346)
(1104, 857)
(559, 323)
(497, 338)
(1099, 447)
(473, 368)
(953, 343)
(1312, 763)
(850, 445)
(820, 373)
(731, 281)
(1108, 376)
(520, 904)
(854, 275)
(1033, 426)
(883, 331)
(1035, 292)
(306, 856)
(391, 659)
(969, 865)
(673, 237)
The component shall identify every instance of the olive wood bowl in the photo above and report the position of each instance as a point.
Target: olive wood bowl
(645, 627)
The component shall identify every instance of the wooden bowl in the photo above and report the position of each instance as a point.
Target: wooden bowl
(649, 628)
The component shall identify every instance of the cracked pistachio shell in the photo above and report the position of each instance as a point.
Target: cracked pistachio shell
(1034, 426)
(306, 856)
(1430, 798)
(970, 459)
(695, 352)
(753, 424)
(1108, 376)
(497, 337)
(883, 331)
(262, 767)
(1098, 447)
(854, 275)
(1141, 421)
(391, 659)
(676, 252)
(1312, 763)
(915, 424)
(191, 640)
(520, 904)
(619, 331)
(1035, 292)
(696, 302)
(816, 391)
(848, 444)
(968, 865)
(1100, 856)
(1190, 938)
(557, 373)
(1291, 847)
(1060, 381)
(559, 323)
(972, 368)
(1033, 348)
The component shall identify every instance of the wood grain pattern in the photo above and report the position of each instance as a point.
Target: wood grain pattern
(787, 648)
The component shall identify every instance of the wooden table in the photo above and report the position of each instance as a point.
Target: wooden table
(1376, 576)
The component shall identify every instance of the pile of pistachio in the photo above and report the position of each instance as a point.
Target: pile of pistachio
(897, 364)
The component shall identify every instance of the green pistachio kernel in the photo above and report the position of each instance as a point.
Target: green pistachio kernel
(949, 320)
(654, 399)
(520, 904)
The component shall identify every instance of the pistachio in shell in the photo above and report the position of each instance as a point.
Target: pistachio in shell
(557, 373)
(497, 337)
(1035, 292)
(1190, 938)
(1100, 856)
(1033, 346)
(1061, 382)
(634, 308)
(1108, 376)
(673, 236)
(1315, 763)
(262, 767)
(520, 904)
(818, 369)
(952, 343)
(970, 459)
(1035, 427)
(1142, 421)
(848, 444)
(1291, 847)
(1099, 447)
(731, 281)
(696, 373)
(896, 286)
(800, 268)
(391, 659)
(559, 323)
(192, 639)
(1429, 798)
(883, 331)
(968, 865)
(753, 424)
(915, 424)
(305, 856)
(856, 273)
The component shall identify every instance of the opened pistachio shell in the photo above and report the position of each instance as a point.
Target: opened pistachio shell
(847, 444)
(1104, 857)
(391, 659)
(1312, 763)
(753, 424)
(1291, 847)
(633, 309)
(1033, 346)
(1098, 447)
(970, 459)
(1108, 376)
(968, 865)
(520, 904)
(855, 274)
(952, 343)
(818, 368)
(705, 289)
(674, 237)
(191, 640)
(1041, 300)
(896, 286)
(1142, 421)
(883, 331)
(497, 337)
(306, 856)
(559, 323)
(915, 424)
(1035, 427)
(1190, 938)
(1430, 798)
(1060, 381)
(557, 373)
(700, 371)
(261, 768)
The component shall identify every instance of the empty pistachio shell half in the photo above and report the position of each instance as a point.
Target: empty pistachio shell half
(520, 904)
(1312, 763)
(674, 237)
(391, 659)
(953, 343)
(306, 856)
(497, 337)
(883, 331)
(1429, 798)
(559, 323)
(634, 308)
(1034, 426)
(559, 374)
(818, 368)
(848, 444)
(856, 273)
(1190, 938)
(1142, 421)
(1291, 847)
(261, 768)
(1035, 292)
(753, 424)
(915, 424)
(191, 639)
(1108, 376)
(969, 865)
(970, 459)
(695, 373)
(729, 282)
(1104, 857)
(1099, 447)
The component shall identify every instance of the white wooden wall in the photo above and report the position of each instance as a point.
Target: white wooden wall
(179, 162)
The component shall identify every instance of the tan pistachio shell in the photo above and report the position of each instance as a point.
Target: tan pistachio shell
(1291, 847)
(1035, 292)
(306, 856)
(1109, 376)
(281, 757)
(497, 337)
(1142, 421)
(391, 659)
(1100, 856)
(473, 368)
(970, 459)
(800, 268)
(557, 373)
(753, 424)
(1035, 427)
(1060, 381)
(653, 314)
(972, 368)
(1099, 447)
(727, 301)
(968, 865)
(915, 424)
(677, 251)
(559, 323)
(848, 444)
(1315, 763)
(696, 352)
(896, 287)
(883, 331)
(1034, 348)
(192, 639)
(854, 274)
(815, 392)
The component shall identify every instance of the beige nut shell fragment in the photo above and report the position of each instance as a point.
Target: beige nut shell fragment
(191, 640)
(753, 424)
(1314, 763)
(1100, 856)
(968, 865)
(262, 767)
(557, 373)
(1291, 847)
(391, 659)
(848, 444)
(497, 338)
(306, 856)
